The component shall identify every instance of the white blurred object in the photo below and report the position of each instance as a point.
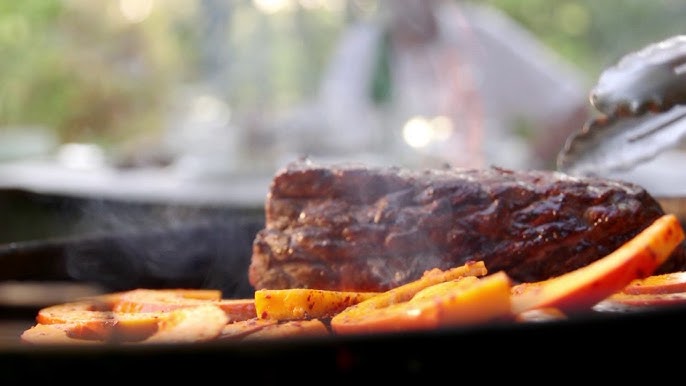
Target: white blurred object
(467, 62)
(662, 176)
(203, 138)
(81, 156)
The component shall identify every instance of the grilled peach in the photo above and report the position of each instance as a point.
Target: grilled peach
(658, 284)
(581, 289)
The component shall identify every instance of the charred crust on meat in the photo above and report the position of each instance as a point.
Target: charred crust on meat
(361, 228)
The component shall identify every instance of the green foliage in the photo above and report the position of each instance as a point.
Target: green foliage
(56, 71)
(70, 66)
(381, 82)
(593, 34)
(26, 57)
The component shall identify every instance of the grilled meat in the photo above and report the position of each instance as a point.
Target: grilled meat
(355, 227)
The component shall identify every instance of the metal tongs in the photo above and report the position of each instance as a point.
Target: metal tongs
(642, 105)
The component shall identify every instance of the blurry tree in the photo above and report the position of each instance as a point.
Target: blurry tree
(28, 64)
(77, 67)
(84, 69)
(594, 34)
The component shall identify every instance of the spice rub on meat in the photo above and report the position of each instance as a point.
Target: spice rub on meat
(360, 228)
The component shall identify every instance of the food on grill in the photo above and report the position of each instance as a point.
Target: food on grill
(305, 303)
(655, 291)
(153, 316)
(187, 325)
(383, 312)
(584, 287)
(458, 302)
(473, 298)
(658, 284)
(359, 228)
(298, 303)
(242, 328)
(290, 329)
(547, 314)
(632, 302)
(138, 315)
(55, 334)
(461, 296)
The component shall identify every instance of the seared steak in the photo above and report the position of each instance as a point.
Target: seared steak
(353, 227)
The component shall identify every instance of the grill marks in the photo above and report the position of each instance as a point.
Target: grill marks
(353, 227)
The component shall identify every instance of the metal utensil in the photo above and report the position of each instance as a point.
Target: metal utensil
(641, 99)
(613, 143)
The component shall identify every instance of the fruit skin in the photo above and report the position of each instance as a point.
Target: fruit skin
(458, 302)
(667, 283)
(581, 289)
(629, 302)
(654, 291)
(304, 303)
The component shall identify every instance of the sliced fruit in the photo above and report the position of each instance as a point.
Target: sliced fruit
(238, 330)
(444, 288)
(582, 288)
(290, 329)
(455, 303)
(302, 303)
(186, 325)
(237, 309)
(57, 334)
(621, 301)
(74, 311)
(540, 315)
(658, 284)
(143, 301)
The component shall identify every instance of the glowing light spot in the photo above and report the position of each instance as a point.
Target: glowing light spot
(420, 131)
(208, 109)
(135, 11)
(272, 6)
(81, 156)
(417, 132)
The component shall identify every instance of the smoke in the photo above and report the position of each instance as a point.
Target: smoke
(124, 246)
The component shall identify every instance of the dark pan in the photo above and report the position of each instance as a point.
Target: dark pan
(121, 245)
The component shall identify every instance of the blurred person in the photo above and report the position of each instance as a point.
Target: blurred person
(510, 101)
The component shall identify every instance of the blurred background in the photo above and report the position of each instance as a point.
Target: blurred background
(206, 99)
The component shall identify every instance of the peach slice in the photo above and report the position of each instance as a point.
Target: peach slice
(188, 325)
(582, 288)
(304, 303)
(634, 302)
(58, 333)
(147, 300)
(458, 302)
(239, 329)
(290, 329)
(540, 315)
(658, 284)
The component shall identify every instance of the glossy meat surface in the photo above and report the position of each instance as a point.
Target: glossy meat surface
(354, 227)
